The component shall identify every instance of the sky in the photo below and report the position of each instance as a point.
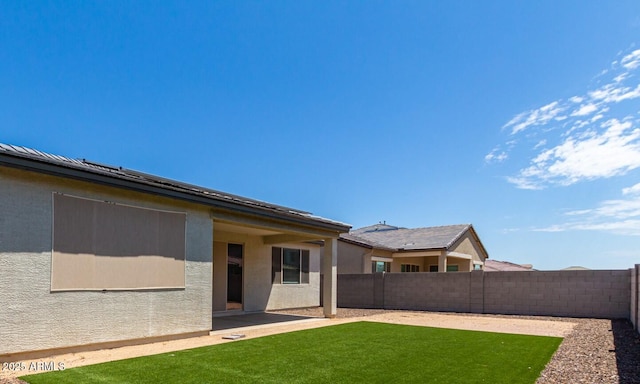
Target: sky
(519, 117)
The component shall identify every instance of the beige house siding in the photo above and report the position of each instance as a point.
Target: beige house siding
(34, 318)
(353, 258)
(259, 294)
(429, 261)
(295, 295)
(396, 266)
(468, 246)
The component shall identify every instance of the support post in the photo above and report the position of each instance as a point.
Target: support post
(330, 272)
(442, 262)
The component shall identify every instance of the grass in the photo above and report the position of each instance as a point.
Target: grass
(354, 352)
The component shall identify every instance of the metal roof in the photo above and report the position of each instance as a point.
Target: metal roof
(32, 159)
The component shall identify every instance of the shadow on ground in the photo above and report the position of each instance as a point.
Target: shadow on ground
(252, 319)
(627, 343)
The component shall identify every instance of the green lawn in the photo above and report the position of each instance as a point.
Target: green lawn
(347, 353)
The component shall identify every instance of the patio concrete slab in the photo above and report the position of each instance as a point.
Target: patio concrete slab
(225, 323)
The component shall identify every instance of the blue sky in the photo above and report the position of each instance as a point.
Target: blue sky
(522, 118)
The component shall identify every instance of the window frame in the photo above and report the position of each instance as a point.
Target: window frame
(278, 265)
(386, 266)
(291, 262)
(412, 268)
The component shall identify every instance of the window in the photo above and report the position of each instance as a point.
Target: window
(477, 267)
(289, 266)
(433, 268)
(101, 245)
(409, 268)
(380, 266)
(452, 268)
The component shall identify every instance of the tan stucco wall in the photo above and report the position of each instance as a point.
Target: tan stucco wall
(382, 253)
(259, 294)
(396, 266)
(464, 265)
(33, 318)
(353, 258)
(467, 244)
(428, 261)
(294, 295)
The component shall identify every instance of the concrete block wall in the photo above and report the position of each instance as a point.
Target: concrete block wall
(476, 292)
(599, 294)
(635, 297)
(357, 291)
(427, 291)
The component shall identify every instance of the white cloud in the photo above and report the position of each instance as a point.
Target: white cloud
(540, 143)
(534, 117)
(587, 155)
(612, 94)
(619, 209)
(524, 183)
(632, 60)
(624, 227)
(585, 109)
(620, 77)
(633, 190)
(586, 137)
(576, 99)
(495, 156)
(621, 216)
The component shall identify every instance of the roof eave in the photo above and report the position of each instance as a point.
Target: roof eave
(69, 171)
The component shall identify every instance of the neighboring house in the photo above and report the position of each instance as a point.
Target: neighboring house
(94, 254)
(386, 248)
(500, 266)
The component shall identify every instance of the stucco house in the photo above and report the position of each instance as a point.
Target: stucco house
(92, 254)
(386, 248)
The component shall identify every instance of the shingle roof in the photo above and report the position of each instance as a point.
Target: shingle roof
(387, 236)
(496, 265)
(12, 154)
(354, 239)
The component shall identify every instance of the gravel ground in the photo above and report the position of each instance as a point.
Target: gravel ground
(596, 351)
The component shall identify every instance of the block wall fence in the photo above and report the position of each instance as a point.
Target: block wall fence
(635, 297)
(591, 293)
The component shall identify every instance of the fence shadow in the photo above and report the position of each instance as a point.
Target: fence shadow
(627, 344)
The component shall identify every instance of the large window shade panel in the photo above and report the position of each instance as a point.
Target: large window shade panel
(105, 246)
